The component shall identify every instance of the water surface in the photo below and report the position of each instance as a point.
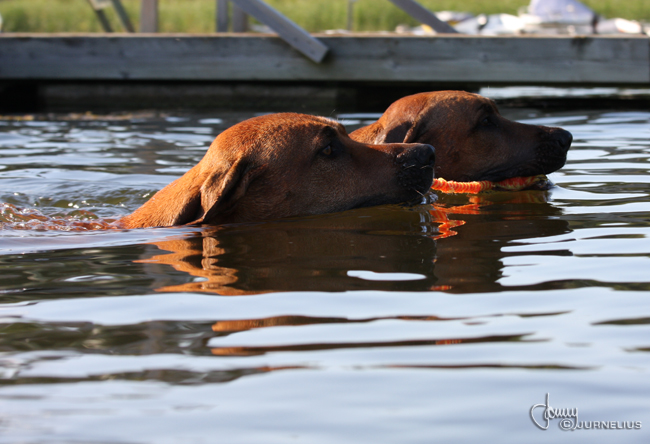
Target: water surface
(443, 322)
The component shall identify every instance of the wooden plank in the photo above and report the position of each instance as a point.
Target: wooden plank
(122, 14)
(350, 15)
(423, 15)
(222, 16)
(239, 19)
(103, 20)
(149, 16)
(247, 57)
(293, 34)
(98, 6)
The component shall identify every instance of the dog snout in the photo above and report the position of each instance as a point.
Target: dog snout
(562, 138)
(420, 155)
(565, 138)
(415, 163)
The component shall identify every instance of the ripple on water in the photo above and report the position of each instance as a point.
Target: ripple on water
(389, 324)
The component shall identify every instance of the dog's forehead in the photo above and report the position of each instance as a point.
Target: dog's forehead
(336, 125)
(275, 127)
(485, 105)
(309, 126)
(314, 128)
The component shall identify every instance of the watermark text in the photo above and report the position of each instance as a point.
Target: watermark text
(543, 414)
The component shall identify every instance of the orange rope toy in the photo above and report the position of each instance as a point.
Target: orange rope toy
(540, 182)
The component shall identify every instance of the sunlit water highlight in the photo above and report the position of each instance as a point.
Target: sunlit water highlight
(443, 322)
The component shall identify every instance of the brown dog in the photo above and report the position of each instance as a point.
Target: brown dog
(472, 140)
(284, 165)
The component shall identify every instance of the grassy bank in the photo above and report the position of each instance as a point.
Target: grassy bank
(198, 16)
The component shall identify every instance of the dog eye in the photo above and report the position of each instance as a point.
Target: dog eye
(327, 151)
(487, 121)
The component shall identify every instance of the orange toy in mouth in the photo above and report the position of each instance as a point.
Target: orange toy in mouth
(539, 182)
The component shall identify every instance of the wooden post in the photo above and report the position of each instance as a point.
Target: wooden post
(350, 14)
(222, 16)
(291, 33)
(239, 19)
(149, 16)
(423, 15)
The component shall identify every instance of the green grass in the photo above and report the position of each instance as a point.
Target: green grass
(198, 16)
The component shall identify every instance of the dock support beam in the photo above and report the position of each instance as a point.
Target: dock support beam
(423, 15)
(239, 19)
(288, 31)
(149, 16)
(124, 17)
(222, 16)
(291, 33)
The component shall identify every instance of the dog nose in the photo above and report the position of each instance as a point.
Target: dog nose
(564, 138)
(427, 154)
(417, 155)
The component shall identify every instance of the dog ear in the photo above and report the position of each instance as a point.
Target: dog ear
(220, 193)
(403, 132)
(175, 204)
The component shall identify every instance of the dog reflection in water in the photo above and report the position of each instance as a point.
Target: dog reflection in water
(317, 253)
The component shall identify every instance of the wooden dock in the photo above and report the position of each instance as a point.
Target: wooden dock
(353, 59)
(357, 57)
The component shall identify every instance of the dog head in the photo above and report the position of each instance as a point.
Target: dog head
(473, 141)
(284, 165)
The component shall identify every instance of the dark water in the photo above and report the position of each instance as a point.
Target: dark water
(434, 323)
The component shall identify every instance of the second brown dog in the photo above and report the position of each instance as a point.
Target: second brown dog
(472, 140)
